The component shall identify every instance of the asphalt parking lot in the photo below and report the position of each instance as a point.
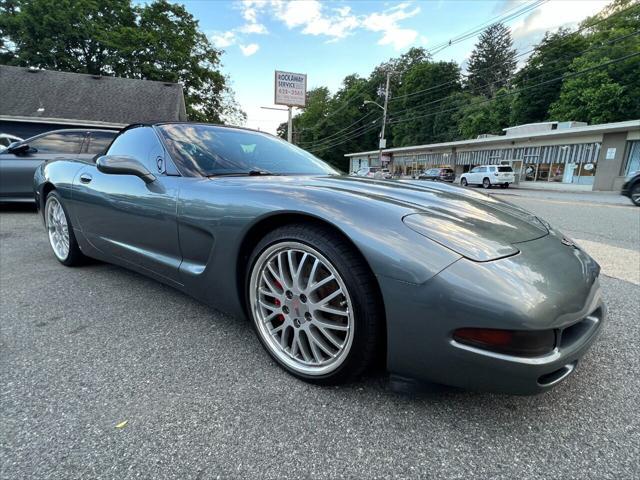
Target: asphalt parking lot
(85, 349)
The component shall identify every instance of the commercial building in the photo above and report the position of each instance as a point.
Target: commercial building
(598, 157)
(34, 101)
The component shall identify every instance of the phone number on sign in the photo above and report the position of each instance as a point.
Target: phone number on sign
(293, 92)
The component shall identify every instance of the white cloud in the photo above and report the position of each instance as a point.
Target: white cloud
(223, 39)
(313, 17)
(256, 28)
(387, 23)
(248, 50)
(552, 15)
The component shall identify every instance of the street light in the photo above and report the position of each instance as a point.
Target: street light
(375, 103)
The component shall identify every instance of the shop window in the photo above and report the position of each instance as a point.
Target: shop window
(633, 161)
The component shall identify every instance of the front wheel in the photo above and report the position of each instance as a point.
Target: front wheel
(61, 237)
(635, 195)
(463, 182)
(486, 183)
(314, 304)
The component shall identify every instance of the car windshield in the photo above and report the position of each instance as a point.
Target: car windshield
(505, 169)
(209, 150)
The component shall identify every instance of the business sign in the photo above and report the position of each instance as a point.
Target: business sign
(611, 153)
(291, 89)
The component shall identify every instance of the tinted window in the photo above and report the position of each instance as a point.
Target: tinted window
(206, 150)
(58, 142)
(140, 143)
(99, 142)
(505, 169)
(447, 170)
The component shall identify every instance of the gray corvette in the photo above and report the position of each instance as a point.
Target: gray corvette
(336, 273)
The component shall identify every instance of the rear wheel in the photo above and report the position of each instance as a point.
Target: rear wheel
(486, 183)
(314, 304)
(61, 238)
(635, 194)
(463, 182)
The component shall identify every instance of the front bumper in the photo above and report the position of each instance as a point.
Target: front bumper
(547, 286)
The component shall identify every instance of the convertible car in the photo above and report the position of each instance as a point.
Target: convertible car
(336, 273)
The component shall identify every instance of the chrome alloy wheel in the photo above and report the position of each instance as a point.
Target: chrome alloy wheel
(57, 227)
(302, 308)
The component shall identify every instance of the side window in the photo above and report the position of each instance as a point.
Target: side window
(59, 142)
(142, 144)
(99, 142)
(475, 170)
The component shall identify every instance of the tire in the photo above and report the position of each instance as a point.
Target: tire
(635, 195)
(60, 231)
(285, 310)
(464, 182)
(486, 183)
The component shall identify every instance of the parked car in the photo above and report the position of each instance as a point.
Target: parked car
(334, 272)
(19, 160)
(438, 175)
(631, 187)
(367, 171)
(6, 140)
(488, 176)
(383, 173)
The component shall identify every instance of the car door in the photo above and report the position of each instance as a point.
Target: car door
(17, 169)
(477, 175)
(124, 217)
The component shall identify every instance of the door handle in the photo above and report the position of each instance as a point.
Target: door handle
(85, 178)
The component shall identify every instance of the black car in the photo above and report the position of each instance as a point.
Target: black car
(19, 160)
(438, 174)
(631, 187)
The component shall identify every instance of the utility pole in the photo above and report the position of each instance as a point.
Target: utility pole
(290, 126)
(383, 141)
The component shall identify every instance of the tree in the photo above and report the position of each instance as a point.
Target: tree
(492, 61)
(485, 116)
(157, 41)
(428, 84)
(610, 93)
(550, 59)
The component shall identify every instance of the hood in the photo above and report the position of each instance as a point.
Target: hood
(475, 225)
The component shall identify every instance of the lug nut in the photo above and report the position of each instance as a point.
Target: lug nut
(285, 309)
(303, 298)
(289, 294)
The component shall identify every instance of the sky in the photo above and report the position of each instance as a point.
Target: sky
(329, 40)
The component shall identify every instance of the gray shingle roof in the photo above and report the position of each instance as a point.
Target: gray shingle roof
(87, 97)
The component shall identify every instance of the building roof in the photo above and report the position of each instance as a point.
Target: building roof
(501, 139)
(76, 97)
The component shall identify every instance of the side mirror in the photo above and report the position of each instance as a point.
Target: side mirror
(18, 148)
(124, 165)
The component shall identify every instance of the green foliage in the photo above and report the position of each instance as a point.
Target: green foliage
(429, 102)
(423, 77)
(551, 57)
(611, 93)
(156, 41)
(492, 61)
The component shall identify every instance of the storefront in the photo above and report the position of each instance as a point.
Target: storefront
(570, 153)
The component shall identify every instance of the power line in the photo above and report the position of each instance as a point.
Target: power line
(580, 30)
(479, 90)
(500, 18)
(478, 29)
(336, 136)
(354, 133)
(339, 131)
(320, 148)
(401, 120)
(506, 94)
